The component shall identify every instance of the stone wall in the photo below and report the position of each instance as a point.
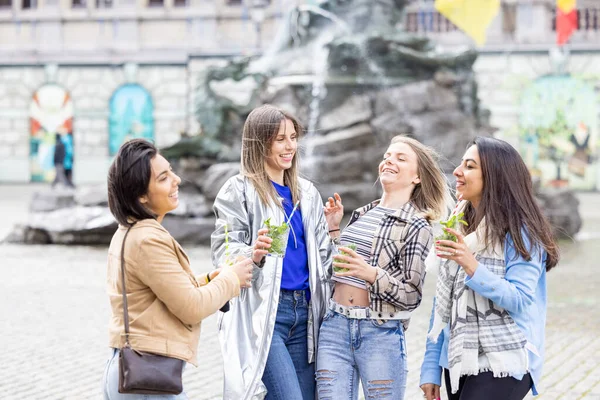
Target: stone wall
(91, 88)
(533, 87)
(502, 77)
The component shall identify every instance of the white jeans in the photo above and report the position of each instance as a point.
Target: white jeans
(110, 384)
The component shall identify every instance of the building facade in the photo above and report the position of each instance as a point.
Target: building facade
(101, 71)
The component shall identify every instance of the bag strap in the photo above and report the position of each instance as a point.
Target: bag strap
(125, 313)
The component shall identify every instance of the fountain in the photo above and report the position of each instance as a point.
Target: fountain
(354, 91)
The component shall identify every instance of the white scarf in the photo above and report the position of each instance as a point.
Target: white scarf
(483, 336)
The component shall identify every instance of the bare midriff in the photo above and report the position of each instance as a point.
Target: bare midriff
(348, 295)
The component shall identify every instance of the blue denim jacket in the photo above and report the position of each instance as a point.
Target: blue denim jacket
(522, 292)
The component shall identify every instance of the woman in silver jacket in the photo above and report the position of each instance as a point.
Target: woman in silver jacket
(269, 335)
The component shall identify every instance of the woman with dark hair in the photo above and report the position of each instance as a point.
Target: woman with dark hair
(269, 336)
(489, 315)
(166, 302)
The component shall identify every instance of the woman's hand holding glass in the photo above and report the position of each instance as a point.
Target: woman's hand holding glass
(243, 267)
(457, 252)
(356, 265)
(262, 245)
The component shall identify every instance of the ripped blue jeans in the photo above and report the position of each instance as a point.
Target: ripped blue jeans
(365, 349)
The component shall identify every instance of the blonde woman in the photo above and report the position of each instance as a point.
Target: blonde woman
(269, 336)
(362, 335)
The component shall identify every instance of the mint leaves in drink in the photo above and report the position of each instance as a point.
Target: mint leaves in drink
(452, 223)
(279, 234)
(351, 246)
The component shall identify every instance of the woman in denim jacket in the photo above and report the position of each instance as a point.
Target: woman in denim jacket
(487, 327)
(362, 335)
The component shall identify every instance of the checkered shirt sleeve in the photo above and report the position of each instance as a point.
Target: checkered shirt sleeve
(400, 283)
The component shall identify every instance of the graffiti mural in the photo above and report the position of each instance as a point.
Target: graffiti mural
(50, 117)
(558, 127)
(131, 116)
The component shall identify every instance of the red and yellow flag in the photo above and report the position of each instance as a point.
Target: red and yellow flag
(471, 16)
(566, 20)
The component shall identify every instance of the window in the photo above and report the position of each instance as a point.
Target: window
(29, 4)
(156, 3)
(103, 3)
(234, 2)
(428, 21)
(180, 3)
(589, 19)
(79, 4)
(509, 18)
(5, 3)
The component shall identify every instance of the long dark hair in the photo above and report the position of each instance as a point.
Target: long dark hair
(128, 179)
(508, 202)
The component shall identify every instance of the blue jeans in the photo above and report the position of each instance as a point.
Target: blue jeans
(350, 349)
(110, 384)
(288, 354)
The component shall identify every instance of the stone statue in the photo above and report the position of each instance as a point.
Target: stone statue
(319, 42)
(221, 119)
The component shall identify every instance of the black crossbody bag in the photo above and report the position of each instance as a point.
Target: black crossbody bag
(142, 372)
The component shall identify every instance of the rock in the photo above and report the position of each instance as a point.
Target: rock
(50, 200)
(390, 124)
(96, 195)
(446, 78)
(190, 231)
(216, 176)
(353, 111)
(346, 167)
(357, 137)
(75, 225)
(415, 98)
(449, 133)
(191, 171)
(25, 235)
(192, 205)
(288, 100)
(353, 195)
(561, 207)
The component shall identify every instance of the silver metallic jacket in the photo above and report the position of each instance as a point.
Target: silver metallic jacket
(245, 331)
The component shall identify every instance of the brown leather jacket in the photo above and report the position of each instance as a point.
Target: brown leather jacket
(166, 301)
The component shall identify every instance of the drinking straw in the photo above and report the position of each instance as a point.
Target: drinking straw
(226, 243)
(293, 211)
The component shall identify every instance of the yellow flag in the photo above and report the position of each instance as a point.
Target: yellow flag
(566, 6)
(471, 16)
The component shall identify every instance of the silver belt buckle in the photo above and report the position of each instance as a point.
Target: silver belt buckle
(360, 313)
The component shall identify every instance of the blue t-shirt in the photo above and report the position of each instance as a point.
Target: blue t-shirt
(295, 262)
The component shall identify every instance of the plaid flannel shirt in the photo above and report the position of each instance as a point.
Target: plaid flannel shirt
(398, 253)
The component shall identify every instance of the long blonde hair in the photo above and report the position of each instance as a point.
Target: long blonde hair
(432, 195)
(260, 130)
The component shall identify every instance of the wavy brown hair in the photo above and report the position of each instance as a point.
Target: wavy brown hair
(260, 130)
(508, 202)
(432, 195)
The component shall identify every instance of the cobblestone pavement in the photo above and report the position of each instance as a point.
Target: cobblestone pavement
(54, 315)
